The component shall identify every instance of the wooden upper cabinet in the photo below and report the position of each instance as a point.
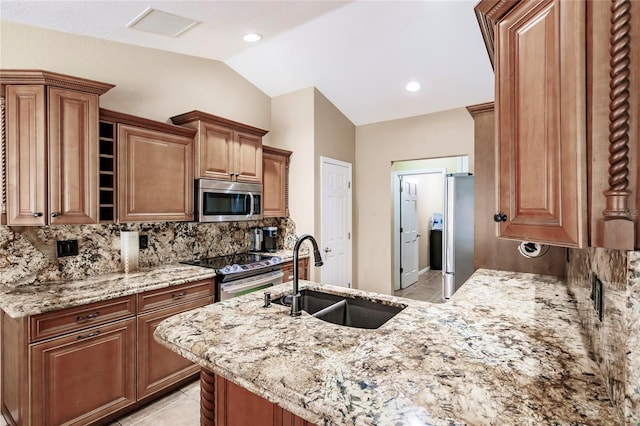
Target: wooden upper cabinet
(73, 157)
(275, 180)
(541, 130)
(214, 152)
(51, 125)
(26, 127)
(248, 157)
(155, 175)
(224, 149)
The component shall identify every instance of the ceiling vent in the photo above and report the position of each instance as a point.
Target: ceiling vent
(163, 23)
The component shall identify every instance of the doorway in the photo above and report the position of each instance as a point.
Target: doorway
(429, 174)
(336, 222)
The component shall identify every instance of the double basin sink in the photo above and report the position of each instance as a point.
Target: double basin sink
(344, 310)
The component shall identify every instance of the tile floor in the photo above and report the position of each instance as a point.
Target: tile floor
(427, 289)
(182, 407)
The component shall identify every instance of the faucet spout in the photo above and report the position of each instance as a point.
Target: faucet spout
(295, 298)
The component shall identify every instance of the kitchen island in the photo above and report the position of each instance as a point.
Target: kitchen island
(507, 349)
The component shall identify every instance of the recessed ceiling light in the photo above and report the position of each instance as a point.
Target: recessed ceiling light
(163, 23)
(414, 86)
(251, 37)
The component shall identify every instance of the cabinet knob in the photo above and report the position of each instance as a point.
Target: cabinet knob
(55, 214)
(499, 217)
(37, 214)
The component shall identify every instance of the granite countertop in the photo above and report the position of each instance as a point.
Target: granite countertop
(32, 299)
(285, 254)
(506, 350)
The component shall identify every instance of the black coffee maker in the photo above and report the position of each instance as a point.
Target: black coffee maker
(270, 239)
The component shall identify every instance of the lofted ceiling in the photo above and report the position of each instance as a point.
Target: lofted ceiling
(359, 54)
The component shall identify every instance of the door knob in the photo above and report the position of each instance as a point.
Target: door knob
(499, 217)
(327, 250)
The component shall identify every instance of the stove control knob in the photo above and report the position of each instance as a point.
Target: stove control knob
(275, 260)
(235, 267)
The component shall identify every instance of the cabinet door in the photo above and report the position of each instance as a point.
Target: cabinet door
(214, 158)
(303, 270)
(155, 175)
(26, 155)
(248, 157)
(274, 181)
(83, 376)
(73, 157)
(540, 107)
(159, 367)
(236, 406)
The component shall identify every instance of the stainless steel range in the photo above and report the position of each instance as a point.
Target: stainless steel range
(238, 274)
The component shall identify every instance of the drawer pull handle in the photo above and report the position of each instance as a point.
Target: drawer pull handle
(87, 317)
(86, 336)
(179, 295)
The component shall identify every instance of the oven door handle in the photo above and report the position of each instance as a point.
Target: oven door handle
(236, 288)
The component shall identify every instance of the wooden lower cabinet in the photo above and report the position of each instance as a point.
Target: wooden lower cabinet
(83, 376)
(159, 367)
(223, 403)
(303, 270)
(88, 364)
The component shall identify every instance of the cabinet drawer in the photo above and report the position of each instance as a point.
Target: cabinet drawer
(175, 294)
(79, 317)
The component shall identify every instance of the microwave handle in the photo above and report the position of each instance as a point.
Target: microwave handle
(251, 209)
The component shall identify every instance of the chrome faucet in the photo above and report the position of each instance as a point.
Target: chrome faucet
(295, 297)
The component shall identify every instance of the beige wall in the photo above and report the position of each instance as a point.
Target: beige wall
(306, 123)
(149, 83)
(430, 201)
(335, 137)
(292, 125)
(440, 134)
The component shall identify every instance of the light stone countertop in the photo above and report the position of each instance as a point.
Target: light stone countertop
(286, 255)
(506, 350)
(32, 299)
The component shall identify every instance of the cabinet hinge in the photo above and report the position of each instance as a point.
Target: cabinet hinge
(401, 270)
(348, 235)
(349, 185)
(401, 229)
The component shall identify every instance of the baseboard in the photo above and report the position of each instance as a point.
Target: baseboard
(422, 271)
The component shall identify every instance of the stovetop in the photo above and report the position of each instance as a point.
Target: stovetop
(238, 263)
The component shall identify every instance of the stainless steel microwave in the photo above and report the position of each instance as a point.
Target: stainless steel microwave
(222, 201)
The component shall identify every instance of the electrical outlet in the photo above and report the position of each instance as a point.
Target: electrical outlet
(599, 299)
(66, 248)
(143, 241)
(597, 295)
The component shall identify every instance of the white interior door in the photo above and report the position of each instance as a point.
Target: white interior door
(408, 232)
(335, 237)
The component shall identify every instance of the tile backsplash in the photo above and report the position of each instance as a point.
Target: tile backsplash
(615, 340)
(28, 254)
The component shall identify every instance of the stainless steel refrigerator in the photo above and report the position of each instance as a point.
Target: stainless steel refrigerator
(457, 233)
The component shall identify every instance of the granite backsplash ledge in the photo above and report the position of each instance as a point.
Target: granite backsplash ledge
(28, 254)
(615, 340)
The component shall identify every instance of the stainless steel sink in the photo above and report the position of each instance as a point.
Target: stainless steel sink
(343, 310)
